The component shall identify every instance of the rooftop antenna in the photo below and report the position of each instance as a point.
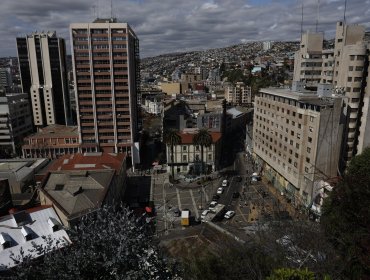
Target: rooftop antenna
(318, 14)
(344, 13)
(97, 13)
(111, 8)
(302, 22)
(94, 9)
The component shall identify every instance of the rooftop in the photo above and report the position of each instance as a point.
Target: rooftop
(305, 96)
(23, 228)
(89, 161)
(188, 134)
(77, 192)
(56, 131)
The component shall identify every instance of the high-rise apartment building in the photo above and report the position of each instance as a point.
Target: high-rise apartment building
(346, 67)
(42, 65)
(296, 135)
(351, 73)
(238, 94)
(15, 121)
(105, 56)
(5, 78)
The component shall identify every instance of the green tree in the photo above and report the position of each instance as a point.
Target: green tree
(172, 138)
(291, 274)
(204, 139)
(108, 244)
(346, 217)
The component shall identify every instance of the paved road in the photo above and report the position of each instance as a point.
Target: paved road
(168, 198)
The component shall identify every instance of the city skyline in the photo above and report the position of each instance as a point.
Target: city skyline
(176, 26)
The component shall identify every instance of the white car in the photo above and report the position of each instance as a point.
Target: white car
(224, 183)
(204, 214)
(229, 214)
(212, 205)
(220, 190)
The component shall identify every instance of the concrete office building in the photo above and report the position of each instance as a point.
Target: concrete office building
(15, 121)
(296, 138)
(105, 56)
(42, 66)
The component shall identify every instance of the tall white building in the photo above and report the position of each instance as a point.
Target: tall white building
(346, 67)
(42, 65)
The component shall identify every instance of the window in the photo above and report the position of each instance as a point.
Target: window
(307, 159)
(311, 129)
(308, 150)
(309, 140)
(209, 156)
(306, 169)
(350, 68)
(197, 148)
(311, 119)
(184, 158)
(184, 148)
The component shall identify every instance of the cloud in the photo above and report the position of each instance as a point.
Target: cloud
(173, 25)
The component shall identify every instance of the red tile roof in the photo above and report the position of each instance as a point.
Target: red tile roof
(88, 161)
(187, 137)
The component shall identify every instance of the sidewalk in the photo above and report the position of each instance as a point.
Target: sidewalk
(293, 212)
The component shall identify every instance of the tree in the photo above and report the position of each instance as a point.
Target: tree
(108, 244)
(172, 138)
(291, 274)
(204, 139)
(346, 217)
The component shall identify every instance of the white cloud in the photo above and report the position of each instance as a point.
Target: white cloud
(173, 25)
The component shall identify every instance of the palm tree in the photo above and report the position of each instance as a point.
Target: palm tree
(172, 138)
(204, 139)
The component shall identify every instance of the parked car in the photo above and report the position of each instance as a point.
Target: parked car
(220, 190)
(238, 178)
(215, 197)
(212, 205)
(236, 194)
(204, 214)
(229, 214)
(224, 183)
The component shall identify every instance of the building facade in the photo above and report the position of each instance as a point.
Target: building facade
(296, 137)
(51, 142)
(15, 122)
(42, 67)
(6, 80)
(240, 94)
(187, 156)
(105, 57)
(346, 67)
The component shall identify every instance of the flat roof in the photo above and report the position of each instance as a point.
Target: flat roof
(56, 131)
(305, 96)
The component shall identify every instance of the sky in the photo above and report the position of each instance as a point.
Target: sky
(166, 26)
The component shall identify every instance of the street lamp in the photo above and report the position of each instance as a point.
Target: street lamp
(201, 198)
